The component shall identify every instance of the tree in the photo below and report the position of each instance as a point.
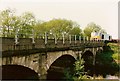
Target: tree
(90, 28)
(58, 27)
(39, 28)
(75, 29)
(79, 70)
(12, 24)
(7, 21)
(28, 21)
(78, 74)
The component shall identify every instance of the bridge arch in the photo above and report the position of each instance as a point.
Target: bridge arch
(87, 53)
(52, 57)
(18, 72)
(57, 68)
(25, 61)
(88, 58)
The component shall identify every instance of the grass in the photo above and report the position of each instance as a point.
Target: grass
(115, 48)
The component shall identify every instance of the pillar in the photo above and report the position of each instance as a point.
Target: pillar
(94, 56)
(42, 66)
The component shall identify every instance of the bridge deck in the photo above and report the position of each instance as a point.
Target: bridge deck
(25, 46)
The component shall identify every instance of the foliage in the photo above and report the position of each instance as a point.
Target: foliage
(27, 23)
(78, 73)
(8, 22)
(106, 60)
(68, 75)
(79, 67)
(79, 70)
(115, 48)
(58, 27)
(90, 28)
(115, 56)
(11, 24)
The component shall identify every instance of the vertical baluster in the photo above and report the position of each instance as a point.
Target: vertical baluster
(45, 38)
(16, 36)
(80, 39)
(75, 39)
(63, 38)
(70, 38)
(55, 39)
(33, 40)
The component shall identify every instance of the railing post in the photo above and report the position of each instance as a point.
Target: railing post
(33, 40)
(75, 39)
(45, 38)
(55, 39)
(16, 39)
(94, 55)
(63, 38)
(16, 36)
(80, 39)
(70, 38)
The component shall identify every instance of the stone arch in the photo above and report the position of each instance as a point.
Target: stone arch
(65, 55)
(51, 57)
(87, 56)
(57, 68)
(18, 72)
(21, 61)
(87, 51)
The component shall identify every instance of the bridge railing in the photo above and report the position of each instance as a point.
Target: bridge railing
(27, 43)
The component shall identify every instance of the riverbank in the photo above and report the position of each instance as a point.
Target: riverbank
(116, 49)
(107, 62)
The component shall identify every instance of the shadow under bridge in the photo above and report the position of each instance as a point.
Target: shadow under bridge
(58, 67)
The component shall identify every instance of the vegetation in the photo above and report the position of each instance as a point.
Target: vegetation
(106, 64)
(115, 48)
(79, 70)
(58, 27)
(90, 28)
(26, 25)
(106, 61)
(78, 74)
(11, 24)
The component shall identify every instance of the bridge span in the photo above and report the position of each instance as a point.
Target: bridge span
(41, 57)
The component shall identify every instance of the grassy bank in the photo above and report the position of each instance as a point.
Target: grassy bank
(116, 51)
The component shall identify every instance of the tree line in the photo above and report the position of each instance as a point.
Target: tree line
(26, 25)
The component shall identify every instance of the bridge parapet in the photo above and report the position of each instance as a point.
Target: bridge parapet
(26, 44)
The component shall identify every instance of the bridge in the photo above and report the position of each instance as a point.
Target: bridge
(42, 56)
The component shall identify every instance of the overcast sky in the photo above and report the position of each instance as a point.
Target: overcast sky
(101, 12)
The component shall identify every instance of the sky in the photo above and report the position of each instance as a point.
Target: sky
(101, 12)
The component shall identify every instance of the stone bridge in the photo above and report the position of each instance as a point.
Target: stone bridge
(42, 57)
